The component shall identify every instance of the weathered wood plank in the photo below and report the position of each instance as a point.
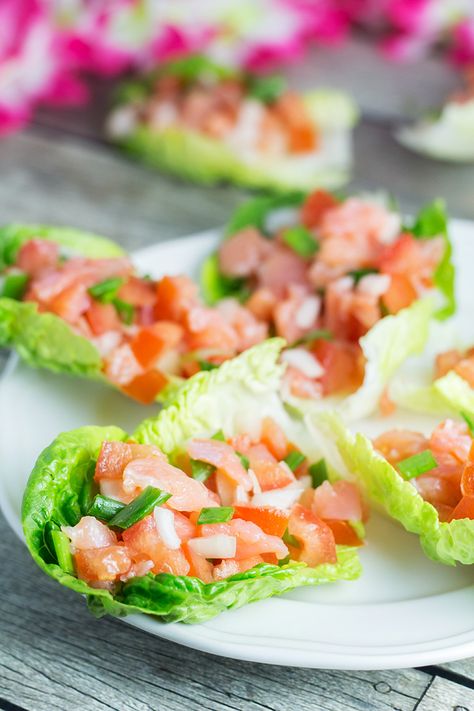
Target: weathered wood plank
(54, 655)
(463, 667)
(444, 695)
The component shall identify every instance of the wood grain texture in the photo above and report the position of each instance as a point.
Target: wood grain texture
(444, 695)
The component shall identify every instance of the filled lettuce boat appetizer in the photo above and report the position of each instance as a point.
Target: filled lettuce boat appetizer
(205, 508)
(447, 134)
(426, 482)
(348, 286)
(72, 302)
(209, 123)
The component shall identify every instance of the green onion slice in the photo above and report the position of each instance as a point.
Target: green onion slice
(318, 334)
(267, 89)
(106, 290)
(207, 365)
(125, 310)
(358, 274)
(219, 435)
(245, 460)
(291, 540)
(62, 549)
(318, 473)
(139, 507)
(294, 459)
(104, 508)
(420, 463)
(469, 420)
(215, 514)
(14, 285)
(301, 241)
(201, 471)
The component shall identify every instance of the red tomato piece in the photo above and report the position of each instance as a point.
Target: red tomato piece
(316, 538)
(71, 303)
(340, 500)
(269, 472)
(464, 509)
(400, 294)
(315, 205)
(343, 365)
(446, 361)
(271, 520)
(37, 255)
(151, 342)
(467, 478)
(103, 318)
(146, 386)
(143, 540)
(273, 437)
(175, 296)
(138, 292)
(344, 534)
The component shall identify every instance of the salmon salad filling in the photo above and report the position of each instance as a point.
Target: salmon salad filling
(323, 278)
(440, 467)
(460, 362)
(145, 331)
(224, 506)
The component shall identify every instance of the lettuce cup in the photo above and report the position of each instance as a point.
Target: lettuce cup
(210, 123)
(350, 288)
(423, 480)
(222, 499)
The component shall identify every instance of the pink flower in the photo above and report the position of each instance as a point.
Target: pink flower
(462, 51)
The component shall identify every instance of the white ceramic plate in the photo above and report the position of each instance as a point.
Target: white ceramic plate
(404, 611)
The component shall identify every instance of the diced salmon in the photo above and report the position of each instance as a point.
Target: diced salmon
(187, 494)
(450, 443)
(102, 564)
(261, 303)
(301, 386)
(114, 457)
(251, 540)
(241, 254)
(223, 457)
(143, 540)
(231, 566)
(199, 567)
(280, 269)
(343, 365)
(37, 256)
(273, 437)
(270, 473)
(314, 207)
(207, 329)
(89, 533)
(400, 294)
(138, 292)
(248, 329)
(113, 489)
(176, 295)
(121, 367)
(340, 500)
(271, 520)
(151, 342)
(467, 478)
(396, 445)
(364, 224)
(412, 257)
(446, 361)
(315, 537)
(296, 314)
(71, 303)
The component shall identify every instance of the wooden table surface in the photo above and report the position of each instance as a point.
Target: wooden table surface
(53, 654)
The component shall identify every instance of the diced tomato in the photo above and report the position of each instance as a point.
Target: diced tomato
(102, 564)
(273, 437)
(143, 539)
(151, 342)
(271, 520)
(269, 472)
(464, 509)
(223, 457)
(240, 254)
(114, 457)
(102, 318)
(37, 255)
(465, 369)
(340, 500)
(343, 365)
(90, 533)
(412, 257)
(208, 330)
(344, 534)
(438, 490)
(444, 512)
(175, 297)
(302, 136)
(315, 206)
(138, 292)
(300, 385)
(316, 538)
(467, 478)
(400, 294)
(446, 361)
(71, 303)
(146, 386)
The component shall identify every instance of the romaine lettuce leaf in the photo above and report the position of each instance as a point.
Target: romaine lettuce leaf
(60, 490)
(447, 543)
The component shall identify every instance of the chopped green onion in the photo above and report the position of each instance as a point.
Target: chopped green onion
(358, 274)
(14, 285)
(201, 471)
(207, 365)
(318, 473)
(215, 514)
(417, 464)
(104, 508)
(106, 290)
(125, 310)
(267, 89)
(318, 334)
(245, 460)
(294, 459)
(219, 436)
(139, 507)
(62, 549)
(301, 241)
(291, 540)
(469, 420)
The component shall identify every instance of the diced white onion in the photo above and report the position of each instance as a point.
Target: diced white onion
(164, 520)
(107, 342)
(374, 284)
(308, 312)
(391, 229)
(219, 546)
(304, 361)
(343, 284)
(279, 498)
(257, 489)
(241, 497)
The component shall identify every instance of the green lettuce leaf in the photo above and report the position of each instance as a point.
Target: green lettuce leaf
(447, 543)
(61, 488)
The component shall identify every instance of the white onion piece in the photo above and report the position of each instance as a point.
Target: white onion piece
(342, 284)
(164, 520)
(257, 489)
(308, 312)
(374, 284)
(107, 342)
(278, 498)
(304, 361)
(219, 546)
(241, 497)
